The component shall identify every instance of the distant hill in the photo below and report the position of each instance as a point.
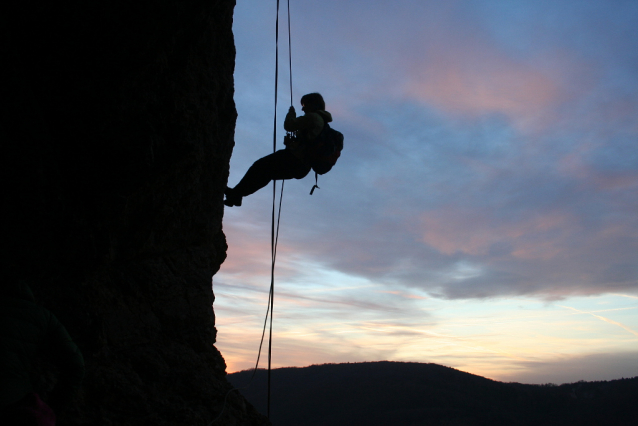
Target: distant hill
(415, 394)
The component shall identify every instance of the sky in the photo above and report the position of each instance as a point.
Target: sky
(483, 214)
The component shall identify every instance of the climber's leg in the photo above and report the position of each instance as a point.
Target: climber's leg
(276, 166)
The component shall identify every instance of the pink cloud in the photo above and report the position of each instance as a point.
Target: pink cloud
(577, 165)
(471, 77)
(506, 88)
(452, 230)
(249, 255)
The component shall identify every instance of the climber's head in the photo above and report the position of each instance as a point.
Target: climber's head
(312, 102)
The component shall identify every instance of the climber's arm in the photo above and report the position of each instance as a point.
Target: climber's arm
(292, 123)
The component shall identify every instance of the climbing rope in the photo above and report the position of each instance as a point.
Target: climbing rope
(289, 53)
(274, 233)
(274, 228)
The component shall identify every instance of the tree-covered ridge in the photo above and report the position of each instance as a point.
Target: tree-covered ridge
(397, 393)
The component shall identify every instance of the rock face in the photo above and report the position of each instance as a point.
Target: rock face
(117, 129)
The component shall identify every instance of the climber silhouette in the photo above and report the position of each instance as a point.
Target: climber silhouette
(292, 162)
(28, 332)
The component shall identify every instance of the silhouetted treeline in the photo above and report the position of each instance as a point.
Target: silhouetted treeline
(411, 394)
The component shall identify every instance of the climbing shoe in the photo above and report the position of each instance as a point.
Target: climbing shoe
(232, 198)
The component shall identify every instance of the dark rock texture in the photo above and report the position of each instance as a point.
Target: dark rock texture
(117, 122)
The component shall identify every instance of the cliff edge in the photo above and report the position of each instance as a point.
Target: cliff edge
(117, 123)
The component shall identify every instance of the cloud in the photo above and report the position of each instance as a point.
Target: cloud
(625, 295)
(478, 138)
(490, 152)
(607, 320)
(482, 233)
(474, 79)
(566, 368)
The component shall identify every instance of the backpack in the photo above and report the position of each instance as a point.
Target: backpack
(325, 149)
(324, 152)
